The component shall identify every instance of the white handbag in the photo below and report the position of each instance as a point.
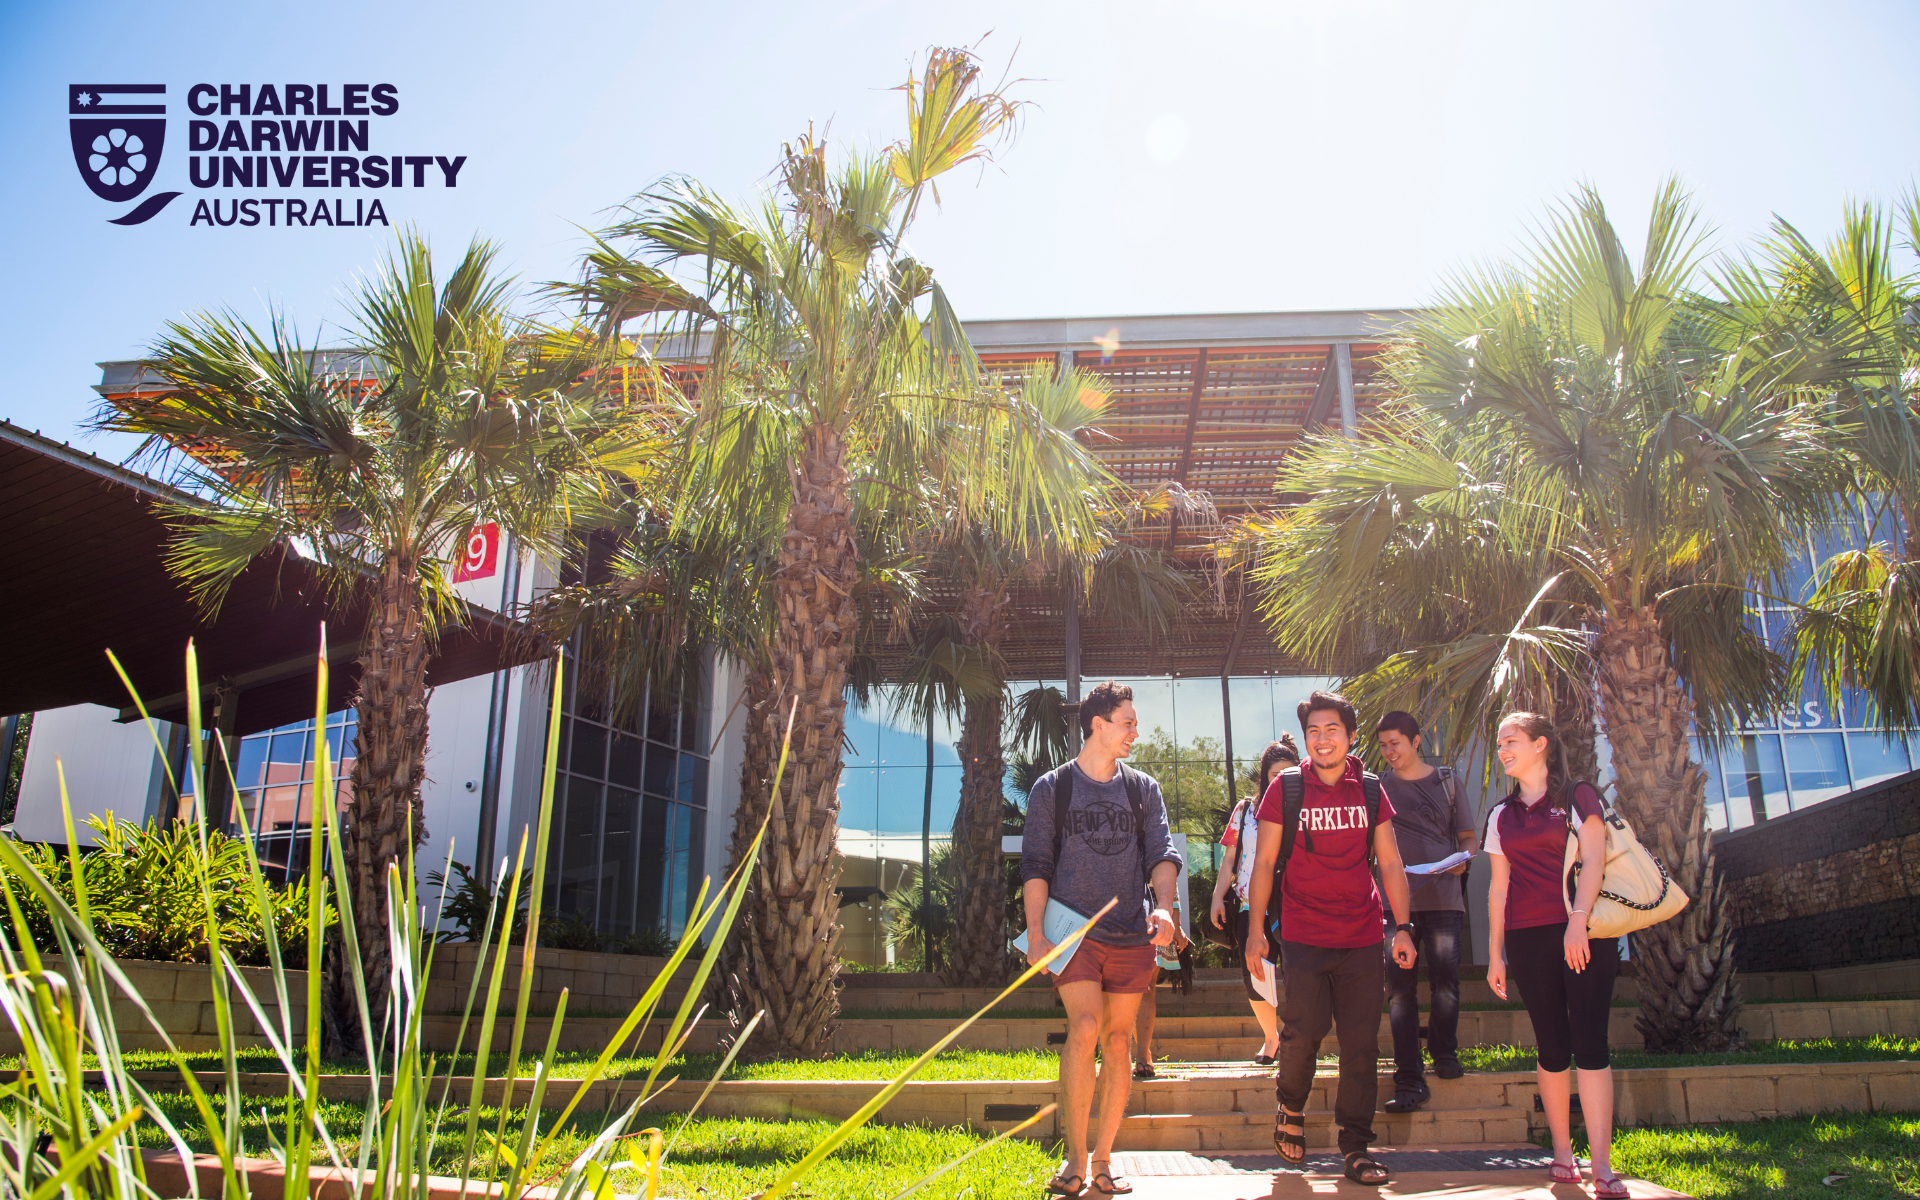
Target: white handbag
(1635, 889)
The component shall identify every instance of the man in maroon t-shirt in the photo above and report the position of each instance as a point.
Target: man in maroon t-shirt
(1333, 972)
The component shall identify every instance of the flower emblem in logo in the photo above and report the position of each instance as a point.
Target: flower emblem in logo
(118, 157)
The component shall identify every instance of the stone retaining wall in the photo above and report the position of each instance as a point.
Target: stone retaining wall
(1834, 885)
(181, 997)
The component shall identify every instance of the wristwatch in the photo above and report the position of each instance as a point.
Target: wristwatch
(1405, 927)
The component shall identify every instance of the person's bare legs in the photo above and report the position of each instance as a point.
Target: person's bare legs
(1556, 1089)
(1596, 1110)
(1269, 1026)
(1143, 1028)
(1084, 1004)
(1116, 1074)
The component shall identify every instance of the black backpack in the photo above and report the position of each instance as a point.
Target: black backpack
(1293, 797)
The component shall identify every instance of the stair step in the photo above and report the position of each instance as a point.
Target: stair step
(1504, 1125)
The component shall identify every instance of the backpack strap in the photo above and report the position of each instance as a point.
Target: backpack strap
(1293, 797)
(1136, 800)
(1371, 789)
(1062, 801)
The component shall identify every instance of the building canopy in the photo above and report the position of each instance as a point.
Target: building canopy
(85, 551)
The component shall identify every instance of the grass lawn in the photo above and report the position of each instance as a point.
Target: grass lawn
(1873, 1049)
(1039, 1064)
(1879, 1153)
(722, 1158)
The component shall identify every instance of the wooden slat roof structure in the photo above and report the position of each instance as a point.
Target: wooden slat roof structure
(1212, 403)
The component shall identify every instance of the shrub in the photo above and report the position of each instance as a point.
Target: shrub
(144, 885)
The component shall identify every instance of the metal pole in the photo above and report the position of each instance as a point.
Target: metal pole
(926, 857)
(1073, 658)
(1343, 368)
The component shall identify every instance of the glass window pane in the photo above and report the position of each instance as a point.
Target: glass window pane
(623, 760)
(1766, 775)
(653, 862)
(253, 761)
(662, 723)
(1716, 792)
(662, 766)
(1816, 767)
(589, 753)
(620, 867)
(1732, 770)
(579, 892)
(1876, 758)
(679, 870)
(693, 781)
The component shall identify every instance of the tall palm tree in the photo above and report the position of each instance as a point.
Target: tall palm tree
(1859, 626)
(448, 412)
(826, 346)
(1640, 471)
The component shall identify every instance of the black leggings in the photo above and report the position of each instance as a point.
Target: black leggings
(1569, 1011)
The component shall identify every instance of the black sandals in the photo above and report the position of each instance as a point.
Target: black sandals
(1291, 1147)
(1362, 1167)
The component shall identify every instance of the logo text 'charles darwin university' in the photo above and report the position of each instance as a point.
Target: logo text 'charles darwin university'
(267, 137)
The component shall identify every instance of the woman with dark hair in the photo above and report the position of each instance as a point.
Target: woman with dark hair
(1236, 872)
(1565, 977)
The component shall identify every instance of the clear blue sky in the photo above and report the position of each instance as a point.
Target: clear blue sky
(1198, 156)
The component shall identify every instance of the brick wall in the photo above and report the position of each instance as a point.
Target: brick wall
(1832, 885)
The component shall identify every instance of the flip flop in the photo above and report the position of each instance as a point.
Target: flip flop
(1067, 1185)
(1564, 1173)
(1144, 1071)
(1613, 1188)
(1117, 1185)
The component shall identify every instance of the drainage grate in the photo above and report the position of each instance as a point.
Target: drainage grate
(1574, 1103)
(1011, 1112)
(1057, 1039)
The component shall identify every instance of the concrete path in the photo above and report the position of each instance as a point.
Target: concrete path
(1466, 1173)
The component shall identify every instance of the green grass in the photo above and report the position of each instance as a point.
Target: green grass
(720, 1158)
(1786, 1158)
(868, 1065)
(1811, 1050)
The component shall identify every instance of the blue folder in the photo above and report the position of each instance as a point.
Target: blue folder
(1059, 922)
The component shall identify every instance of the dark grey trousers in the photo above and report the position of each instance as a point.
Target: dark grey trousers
(1340, 990)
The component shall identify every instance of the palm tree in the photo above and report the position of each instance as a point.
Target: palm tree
(1860, 625)
(1632, 468)
(447, 413)
(825, 346)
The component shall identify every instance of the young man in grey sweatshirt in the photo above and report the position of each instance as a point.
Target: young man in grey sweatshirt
(1113, 839)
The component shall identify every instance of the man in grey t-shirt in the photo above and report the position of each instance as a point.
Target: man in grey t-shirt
(1110, 843)
(1433, 820)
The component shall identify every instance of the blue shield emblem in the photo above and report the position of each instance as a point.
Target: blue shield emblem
(117, 156)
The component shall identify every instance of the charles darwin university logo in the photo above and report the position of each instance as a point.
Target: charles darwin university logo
(117, 144)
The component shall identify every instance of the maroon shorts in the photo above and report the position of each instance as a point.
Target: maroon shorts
(1124, 970)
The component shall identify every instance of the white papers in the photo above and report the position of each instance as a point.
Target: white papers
(1059, 922)
(1266, 983)
(1446, 864)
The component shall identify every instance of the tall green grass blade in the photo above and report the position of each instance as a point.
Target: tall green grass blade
(496, 975)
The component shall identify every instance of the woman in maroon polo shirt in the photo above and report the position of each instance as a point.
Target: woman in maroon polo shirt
(1565, 977)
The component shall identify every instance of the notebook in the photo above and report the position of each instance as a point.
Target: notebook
(1058, 922)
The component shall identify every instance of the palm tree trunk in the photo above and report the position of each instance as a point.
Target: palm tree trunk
(977, 950)
(385, 817)
(1689, 1000)
(788, 967)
